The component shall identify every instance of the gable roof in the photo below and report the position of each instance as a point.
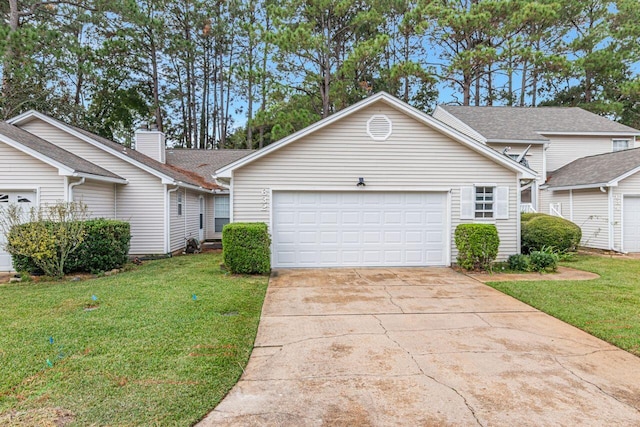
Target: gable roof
(530, 124)
(507, 162)
(169, 174)
(67, 162)
(604, 170)
(203, 162)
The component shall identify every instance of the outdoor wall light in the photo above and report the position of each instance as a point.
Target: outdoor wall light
(360, 182)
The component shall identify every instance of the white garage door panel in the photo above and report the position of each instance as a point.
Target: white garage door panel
(25, 199)
(631, 224)
(332, 229)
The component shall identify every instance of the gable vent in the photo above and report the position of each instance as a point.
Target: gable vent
(379, 127)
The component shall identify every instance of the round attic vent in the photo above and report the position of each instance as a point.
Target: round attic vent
(379, 127)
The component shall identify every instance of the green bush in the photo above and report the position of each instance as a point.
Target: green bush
(105, 247)
(246, 248)
(477, 245)
(528, 216)
(519, 262)
(543, 261)
(552, 231)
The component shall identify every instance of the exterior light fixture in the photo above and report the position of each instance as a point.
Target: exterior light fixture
(360, 182)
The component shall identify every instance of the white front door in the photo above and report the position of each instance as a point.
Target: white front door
(631, 224)
(26, 199)
(358, 228)
(201, 219)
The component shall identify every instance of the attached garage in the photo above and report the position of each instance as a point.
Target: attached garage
(357, 228)
(25, 199)
(631, 224)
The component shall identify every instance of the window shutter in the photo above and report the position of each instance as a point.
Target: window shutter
(467, 199)
(502, 203)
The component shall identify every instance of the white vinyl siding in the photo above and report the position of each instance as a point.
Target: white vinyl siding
(21, 171)
(565, 149)
(186, 225)
(590, 213)
(414, 158)
(100, 198)
(177, 227)
(141, 202)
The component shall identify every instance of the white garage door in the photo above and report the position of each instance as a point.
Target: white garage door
(631, 224)
(336, 229)
(26, 199)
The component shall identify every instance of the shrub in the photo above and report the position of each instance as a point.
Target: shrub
(105, 247)
(245, 248)
(547, 230)
(543, 261)
(477, 245)
(519, 262)
(528, 216)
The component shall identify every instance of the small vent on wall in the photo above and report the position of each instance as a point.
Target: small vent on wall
(379, 127)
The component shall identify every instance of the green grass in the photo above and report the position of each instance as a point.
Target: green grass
(608, 307)
(148, 355)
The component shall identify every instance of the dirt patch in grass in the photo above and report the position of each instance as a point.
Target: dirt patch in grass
(43, 417)
(563, 273)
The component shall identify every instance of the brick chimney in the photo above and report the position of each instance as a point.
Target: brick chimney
(151, 142)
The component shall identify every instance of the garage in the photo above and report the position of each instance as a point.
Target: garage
(26, 199)
(631, 224)
(359, 228)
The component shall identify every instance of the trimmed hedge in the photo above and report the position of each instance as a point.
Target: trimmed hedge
(528, 216)
(550, 231)
(477, 245)
(105, 247)
(246, 248)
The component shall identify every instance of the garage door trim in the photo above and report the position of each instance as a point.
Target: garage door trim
(625, 197)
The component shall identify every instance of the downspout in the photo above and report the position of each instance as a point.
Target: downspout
(518, 221)
(571, 205)
(73, 184)
(610, 219)
(167, 218)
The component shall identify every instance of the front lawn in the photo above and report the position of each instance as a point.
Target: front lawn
(608, 307)
(160, 345)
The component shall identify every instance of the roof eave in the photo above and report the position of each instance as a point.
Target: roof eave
(582, 186)
(102, 178)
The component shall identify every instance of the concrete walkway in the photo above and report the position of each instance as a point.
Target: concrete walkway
(422, 347)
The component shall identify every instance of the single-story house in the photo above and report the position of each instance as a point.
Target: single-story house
(377, 184)
(165, 198)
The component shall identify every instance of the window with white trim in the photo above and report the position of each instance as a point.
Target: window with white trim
(484, 202)
(620, 144)
(179, 203)
(221, 212)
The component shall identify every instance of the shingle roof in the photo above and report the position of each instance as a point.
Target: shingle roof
(592, 170)
(527, 124)
(53, 152)
(174, 172)
(203, 162)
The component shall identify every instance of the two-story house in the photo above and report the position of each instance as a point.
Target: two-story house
(586, 165)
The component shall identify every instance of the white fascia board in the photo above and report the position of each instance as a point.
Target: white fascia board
(582, 186)
(613, 133)
(192, 187)
(633, 171)
(517, 141)
(476, 135)
(226, 172)
(101, 178)
(63, 170)
(35, 114)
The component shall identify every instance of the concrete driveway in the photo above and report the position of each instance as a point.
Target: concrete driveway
(422, 347)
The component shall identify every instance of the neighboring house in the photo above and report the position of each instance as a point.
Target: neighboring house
(585, 165)
(377, 184)
(166, 201)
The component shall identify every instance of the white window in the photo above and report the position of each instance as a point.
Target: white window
(221, 212)
(484, 202)
(179, 203)
(620, 144)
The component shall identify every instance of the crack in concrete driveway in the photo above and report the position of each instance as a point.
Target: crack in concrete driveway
(421, 346)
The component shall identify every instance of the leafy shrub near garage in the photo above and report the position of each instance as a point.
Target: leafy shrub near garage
(543, 260)
(519, 262)
(105, 246)
(477, 245)
(551, 231)
(528, 216)
(246, 248)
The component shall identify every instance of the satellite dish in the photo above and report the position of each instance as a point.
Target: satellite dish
(505, 150)
(524, 153)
